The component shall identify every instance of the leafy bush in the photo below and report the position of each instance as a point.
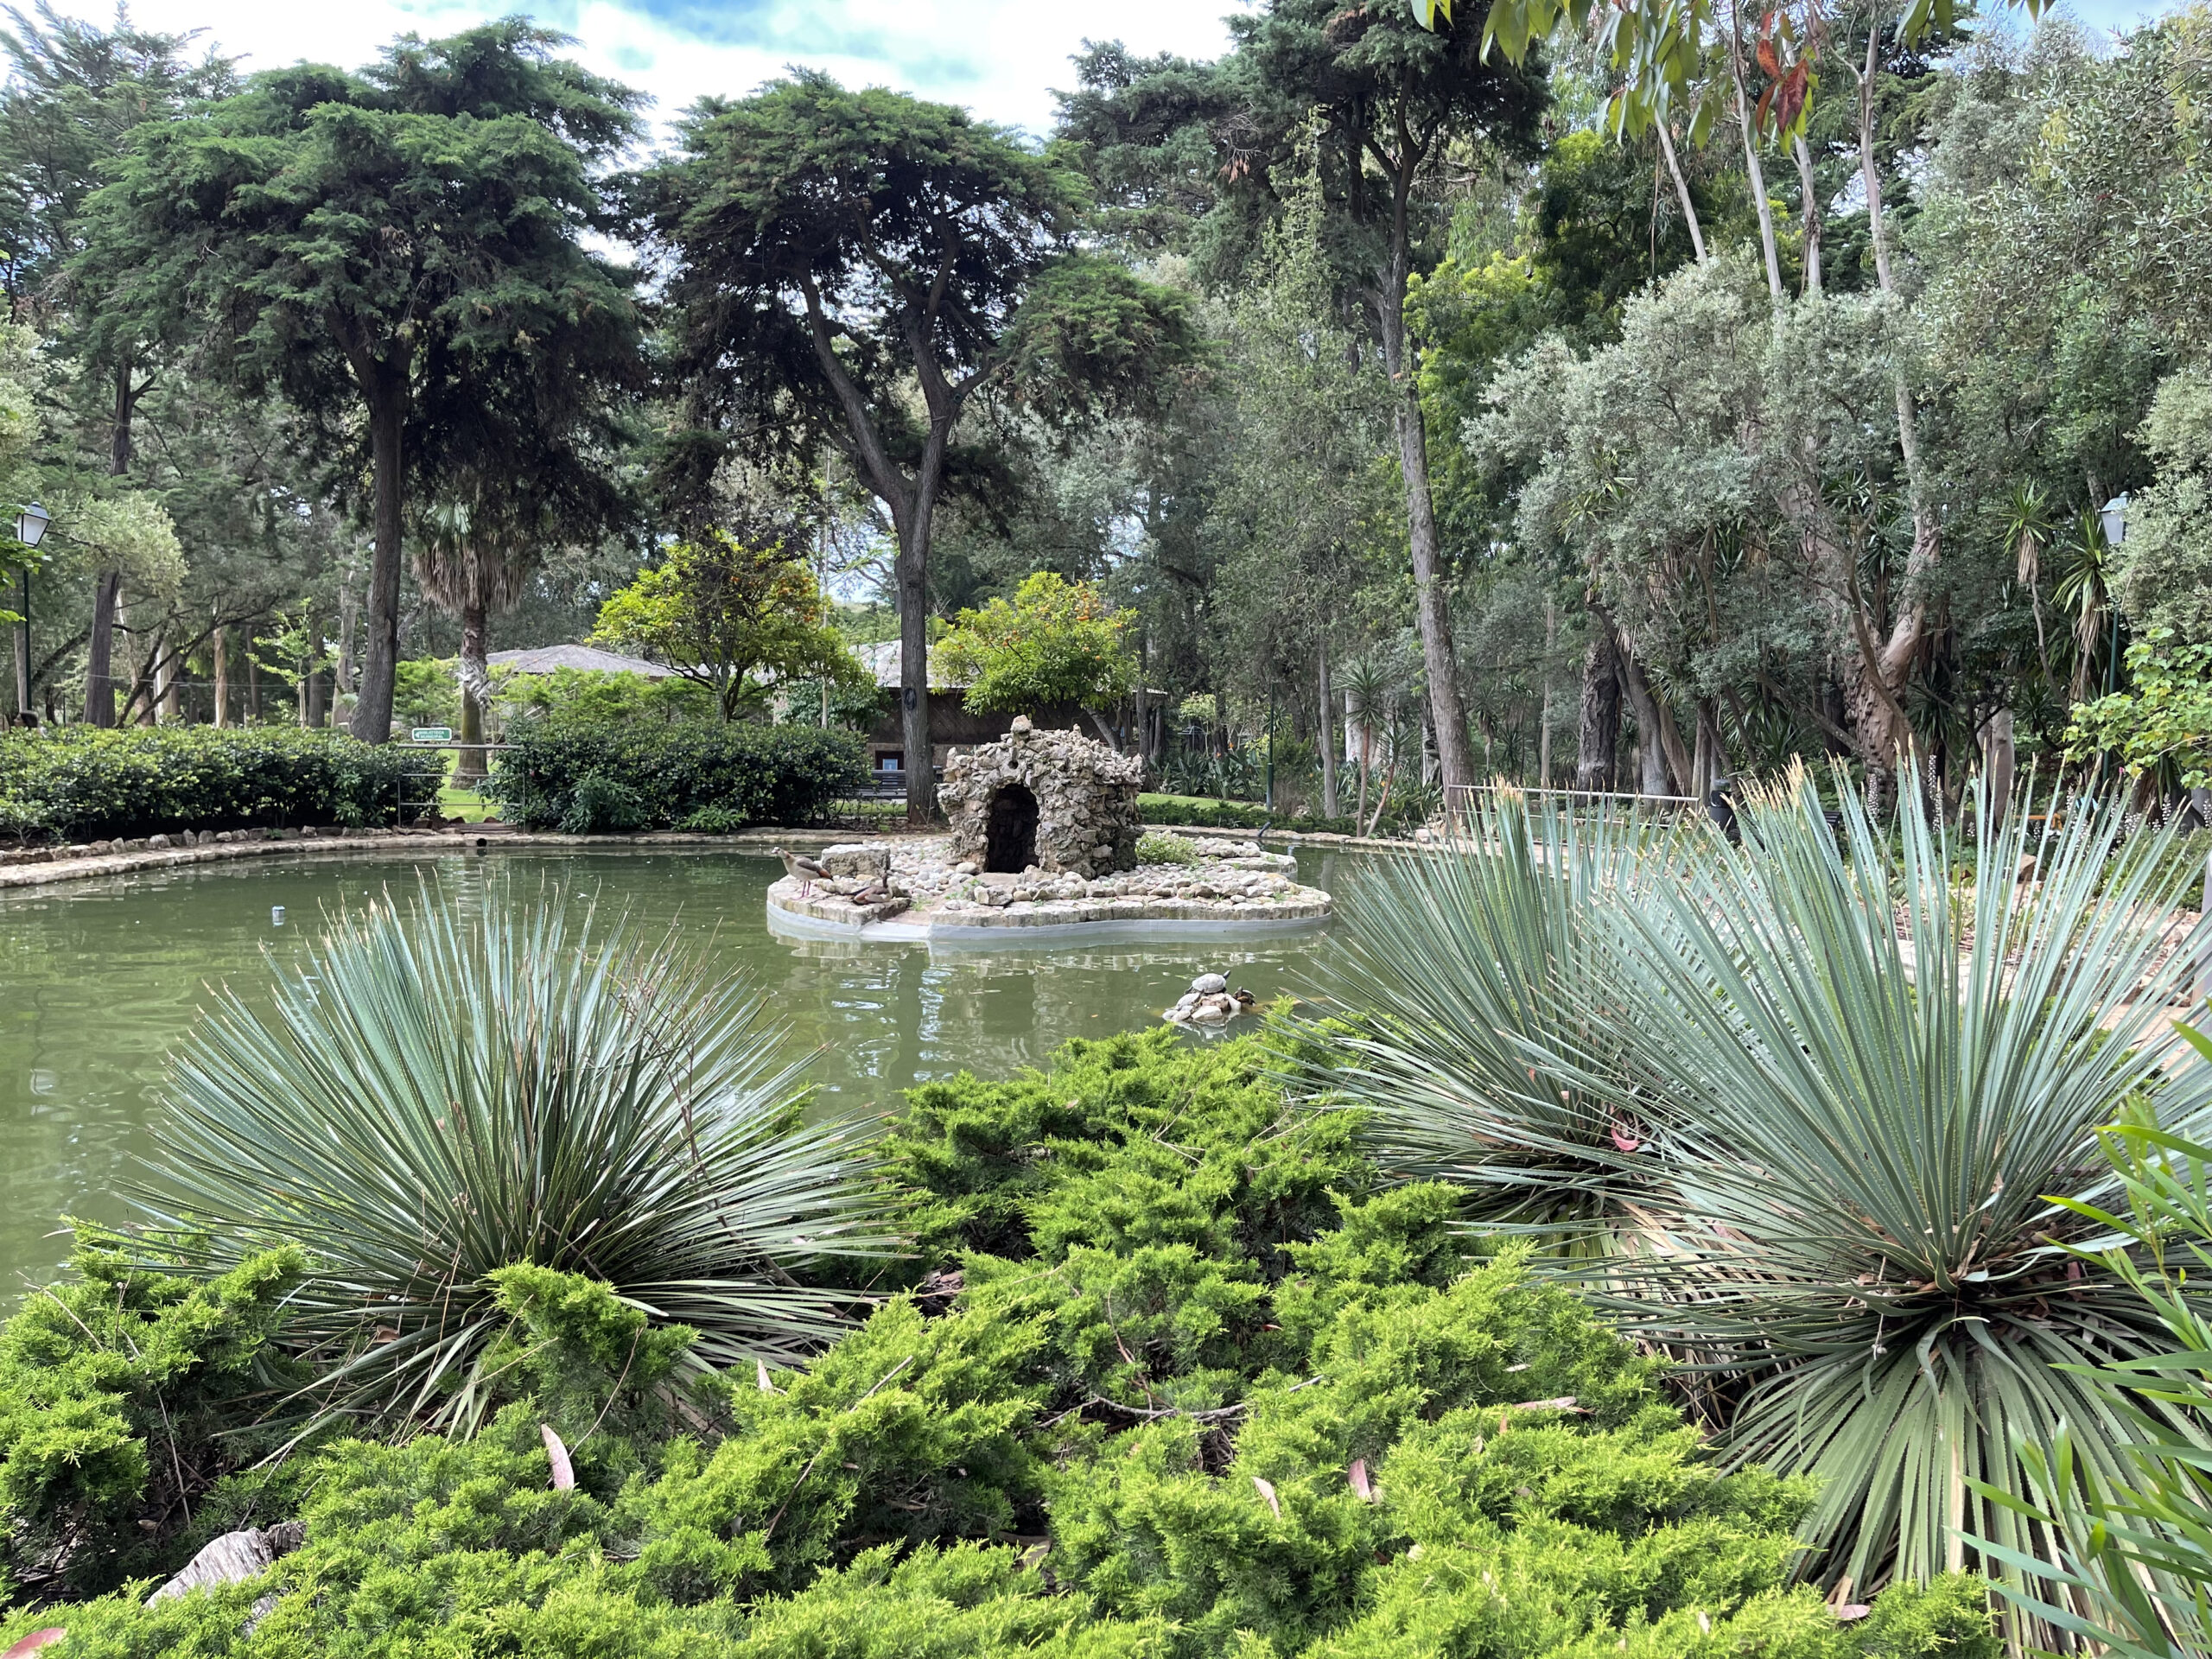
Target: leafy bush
(81, 784)
(2136, 1553)
(1198, 812)
(562, 772)
(1842, 1093)
(119, 1394)
(1154, 848)
(433, 1099)
(1199, 1389)
(595, 697)
(425, 691)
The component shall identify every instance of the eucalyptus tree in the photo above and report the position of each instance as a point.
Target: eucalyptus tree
(860, 270)
(326, 231)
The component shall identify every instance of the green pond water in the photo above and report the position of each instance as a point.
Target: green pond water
(98, 979)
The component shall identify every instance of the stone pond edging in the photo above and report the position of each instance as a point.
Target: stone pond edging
(43, 867)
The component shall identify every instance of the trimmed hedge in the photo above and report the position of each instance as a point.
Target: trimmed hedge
(83, 784)
(595, 779)
(1202, 812)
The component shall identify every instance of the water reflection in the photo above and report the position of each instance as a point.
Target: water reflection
(98, 979)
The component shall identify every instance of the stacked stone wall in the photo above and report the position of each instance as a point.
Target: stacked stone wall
(1085, 799)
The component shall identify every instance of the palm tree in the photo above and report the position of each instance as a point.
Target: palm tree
(2086, 590)
(2028, 532)
(471, 563)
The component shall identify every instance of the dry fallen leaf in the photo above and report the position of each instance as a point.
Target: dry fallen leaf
(35, 1641)
(761, 1374)
(1359, 1481)
(1266, 1490)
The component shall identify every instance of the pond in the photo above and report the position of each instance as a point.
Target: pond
(98, 979)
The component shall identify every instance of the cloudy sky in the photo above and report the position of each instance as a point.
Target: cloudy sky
(1000, 58)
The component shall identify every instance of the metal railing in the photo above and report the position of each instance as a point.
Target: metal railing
(1461, 800)
(415, 792)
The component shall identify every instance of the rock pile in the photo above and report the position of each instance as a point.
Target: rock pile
(1083, 796)
(922, 882)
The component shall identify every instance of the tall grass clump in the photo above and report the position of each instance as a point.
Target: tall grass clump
(436, 1095)
(1854, 1105)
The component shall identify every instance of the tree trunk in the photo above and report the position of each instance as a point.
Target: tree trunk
(252, 682)
(1752, 170)
(1712, 762)
(1544, 719)
(914, 673)
(1599, 744)
(1439, 656)
(1356, 720)
(1650, 752)
(1875, 689)
(100, 654)
(1809, 192)
(221, 648)
(384, 386)
(167, 677)
(1326, 733)
(1999, 761)
(475, 695)
(349, 613)
(1682, 190)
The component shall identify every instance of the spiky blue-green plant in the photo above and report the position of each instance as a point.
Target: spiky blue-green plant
(437, 1095)
(1853, 1073)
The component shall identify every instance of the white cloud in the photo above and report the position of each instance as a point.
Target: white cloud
(997, 57)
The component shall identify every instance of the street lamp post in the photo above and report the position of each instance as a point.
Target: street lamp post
(30, 525)
(2114, 517)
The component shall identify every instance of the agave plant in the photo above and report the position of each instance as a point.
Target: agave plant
(436, 1095)
(1835, 1103)
(1470, 970)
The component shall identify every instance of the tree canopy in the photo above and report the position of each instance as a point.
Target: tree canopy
(337, 233)
(1056, 643)
(858, 270)
(732, 613)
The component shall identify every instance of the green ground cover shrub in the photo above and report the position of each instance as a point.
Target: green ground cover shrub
(84, 784)
(1156, 846)
(586, 778)
(1202, 813)
(121, 1394)
(1176, 1378)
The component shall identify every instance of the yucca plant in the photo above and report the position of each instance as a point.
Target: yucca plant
(1873, 1103)
(436, 1095)
(1465, 981)
(1819, 1096)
